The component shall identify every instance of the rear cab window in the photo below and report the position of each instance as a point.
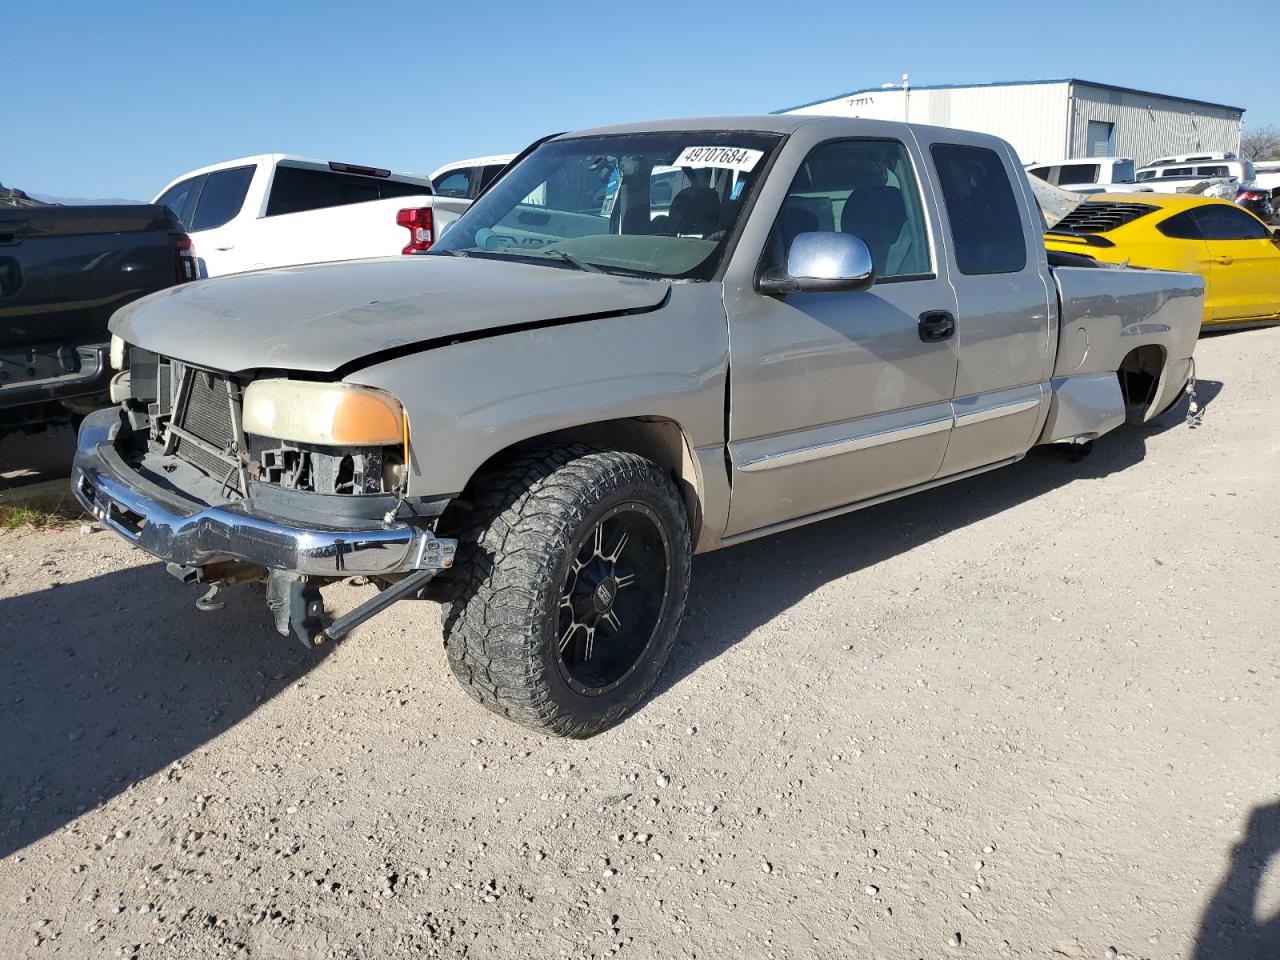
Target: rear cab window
(298, 189)
(221, 197)
(1078, 173)
(985, 220)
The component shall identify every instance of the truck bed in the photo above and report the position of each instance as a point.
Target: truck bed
(1097, 333)
(63, 272)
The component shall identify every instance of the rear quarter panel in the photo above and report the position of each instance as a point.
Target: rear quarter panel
(1105, 315)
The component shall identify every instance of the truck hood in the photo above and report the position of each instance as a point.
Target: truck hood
(321, 317)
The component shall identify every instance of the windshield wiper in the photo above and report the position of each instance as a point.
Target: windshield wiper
(573, 261)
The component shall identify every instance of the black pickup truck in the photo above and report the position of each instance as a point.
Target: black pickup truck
(63, 272)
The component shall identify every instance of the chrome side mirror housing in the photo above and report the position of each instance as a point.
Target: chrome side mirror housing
(822, 262)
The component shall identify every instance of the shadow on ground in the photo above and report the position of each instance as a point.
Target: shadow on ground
(1231, 928)
(31, 458)
(106, 681)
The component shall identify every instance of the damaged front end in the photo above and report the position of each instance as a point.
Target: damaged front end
(289, 483)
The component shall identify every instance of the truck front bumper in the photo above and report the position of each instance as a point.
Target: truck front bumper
(192, 534)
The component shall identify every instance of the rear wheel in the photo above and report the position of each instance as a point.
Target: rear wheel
(569, 588)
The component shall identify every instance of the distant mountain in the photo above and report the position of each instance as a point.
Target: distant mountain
(10, 197)
(81, 201)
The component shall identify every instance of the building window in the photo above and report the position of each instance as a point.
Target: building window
(1100, 139)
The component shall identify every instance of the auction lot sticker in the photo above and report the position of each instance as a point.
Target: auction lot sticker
(731, 158)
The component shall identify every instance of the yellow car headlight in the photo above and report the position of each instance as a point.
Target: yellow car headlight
(329, 414)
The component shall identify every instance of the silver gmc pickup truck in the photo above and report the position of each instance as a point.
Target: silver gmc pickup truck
(642, 342)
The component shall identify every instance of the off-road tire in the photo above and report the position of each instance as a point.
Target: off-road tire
(516, 546)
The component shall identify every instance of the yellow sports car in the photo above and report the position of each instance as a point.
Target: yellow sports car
(1235, 252)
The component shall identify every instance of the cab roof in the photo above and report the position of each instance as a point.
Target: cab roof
(761, 123)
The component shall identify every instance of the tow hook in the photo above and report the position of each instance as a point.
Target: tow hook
(208, 602)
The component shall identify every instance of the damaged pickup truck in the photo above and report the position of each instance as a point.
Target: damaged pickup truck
(587, 380)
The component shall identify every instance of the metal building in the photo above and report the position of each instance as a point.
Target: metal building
(1053, 119)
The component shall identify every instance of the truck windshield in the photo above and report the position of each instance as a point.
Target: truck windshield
(645, 204)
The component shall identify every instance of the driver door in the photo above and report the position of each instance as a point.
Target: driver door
(839, 397)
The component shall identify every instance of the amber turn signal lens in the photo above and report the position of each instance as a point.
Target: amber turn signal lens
(365, 418)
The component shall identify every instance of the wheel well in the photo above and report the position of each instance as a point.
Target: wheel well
(655, 438)
(1140, 372)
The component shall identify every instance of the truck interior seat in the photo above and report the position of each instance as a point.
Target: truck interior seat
(876, 215)
(695, 211)
(793, 220)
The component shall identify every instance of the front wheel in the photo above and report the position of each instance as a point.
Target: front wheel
(569, 588)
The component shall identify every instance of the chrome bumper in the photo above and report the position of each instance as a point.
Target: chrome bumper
(166, 528)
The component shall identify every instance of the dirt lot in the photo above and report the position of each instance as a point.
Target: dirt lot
(1033, 714)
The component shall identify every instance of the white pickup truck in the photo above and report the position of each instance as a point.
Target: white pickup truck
(277, 210)
(1087, 175)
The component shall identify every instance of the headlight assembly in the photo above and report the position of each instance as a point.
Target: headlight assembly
(333, 414)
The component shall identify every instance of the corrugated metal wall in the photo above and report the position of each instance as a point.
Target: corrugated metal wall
(1032, 116)
(1148, 126)
(1037, 117)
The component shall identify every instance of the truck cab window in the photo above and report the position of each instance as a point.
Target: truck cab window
(986, 227)
(296, 189)
(863, 187)
(1078, 173)
(488, 173)
(455, 183)
(656, 205)
(181, 199)
(222, 197)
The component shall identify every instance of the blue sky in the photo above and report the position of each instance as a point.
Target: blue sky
(112, 99)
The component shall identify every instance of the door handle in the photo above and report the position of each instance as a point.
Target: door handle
(1224, 260)
(936, 325)
(229, 246)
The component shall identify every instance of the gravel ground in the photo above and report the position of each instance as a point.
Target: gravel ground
(1032, 714)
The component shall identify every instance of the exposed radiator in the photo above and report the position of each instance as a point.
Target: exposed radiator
(204, 410)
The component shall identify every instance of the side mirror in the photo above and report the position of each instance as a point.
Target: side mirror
(822, 262)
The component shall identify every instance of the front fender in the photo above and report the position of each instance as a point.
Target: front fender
(468, 401)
